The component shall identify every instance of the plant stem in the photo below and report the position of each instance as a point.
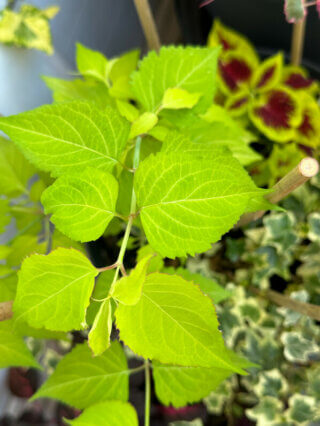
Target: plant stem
(298, 36)
(147, 394)
(133, 207)
(306, 169)
(148, 24)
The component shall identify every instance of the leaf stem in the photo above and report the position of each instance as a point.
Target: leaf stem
(133, 207)
(147, 394)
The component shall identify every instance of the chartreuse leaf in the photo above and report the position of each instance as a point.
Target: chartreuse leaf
(207, 286)
(176, 98)
(115, 413)
(308, 133)
(61, 138)
(268, 74)
(127, 110)
(191, 68)
(174, 323)
(179, 386)
(186, 202)
(99, 336)
(120, 72)
(28, 28)
(155, 262)
(13, 350)
(69, 90)
(81, 380)
(54, 291)
(82, 204)
(143, 124)
(4, 214)
(128, 289)
(91, 63)
(101, 291)
(15, 170)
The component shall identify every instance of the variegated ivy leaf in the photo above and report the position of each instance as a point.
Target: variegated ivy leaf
(302, 408)
(271, 383)
(82, 380)
(91, 63)
(64, 137)
(216, 400)
(314, 226)
(297, 348)
(186, 203)
(195, 422)
(115, 413)
(175, 323)
(190, 68)
(99, 336)
(54, 290)
(267, 411)
(128, 289)
(179, 386)
(268, 74)
(15, 170)
(277, 113)
(69, 90)
(294, 10)
(28, 28)
(82, 204)
(13, 350)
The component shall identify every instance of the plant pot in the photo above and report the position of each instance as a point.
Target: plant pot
(262, 21)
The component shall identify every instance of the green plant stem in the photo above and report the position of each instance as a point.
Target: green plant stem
(147, 394)
(132, 215)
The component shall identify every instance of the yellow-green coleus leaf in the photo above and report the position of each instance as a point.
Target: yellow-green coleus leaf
(297, 78)
(308, 132)
(175, 323)
(82, 204)
(128, 289)
(54, 290)
(81, 380)
(188, 202)
(28, 28)
(268, 74)
(13, 350)
(62, 137)
(115, 413)
(190, 68)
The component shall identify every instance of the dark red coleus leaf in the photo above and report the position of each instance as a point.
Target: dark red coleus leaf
(266, 77)
(234, 72)
(298, 81)
(276, 113)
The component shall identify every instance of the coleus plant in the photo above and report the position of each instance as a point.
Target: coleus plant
(279, 100)
(140, 150)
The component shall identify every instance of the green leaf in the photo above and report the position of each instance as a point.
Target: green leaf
(5, 218)
(82, 204)
(207, 286)
(174, 323)
(69, 90)
(124, 65)
(155, 263)
(81, 380)
(179, 386)
(63, 137)
(91, 63)
(23, 246)
(128, 289)
(28, 28)
(297, 348)
(8, 286)
(187, 202)
(54, 291)
(13, 350)
(101, 291)
(266, 411)
(190, 68)
(176, 98)
(127, 110)
(302, 408)
(15, 170)
(143, 124)
(99, 336)
(115, 413)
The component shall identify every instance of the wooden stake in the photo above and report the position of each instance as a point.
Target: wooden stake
(148, 24)
(306, 169)
(5, 310)
(297, 45)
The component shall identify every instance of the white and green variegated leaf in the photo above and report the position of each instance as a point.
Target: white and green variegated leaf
(174, 323)
(69, 136)
(99, 336)
(302, 408)
(179, 386)
(15, 170)
(82, 204)
(297, 348)
(70, 90)
(91, 63)
(191, 68)
(115, 413)
(128, 289)
(187, 203)
(13, 350)
(207, 285)
(54, 290)
(267, 411)
(82, 380)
